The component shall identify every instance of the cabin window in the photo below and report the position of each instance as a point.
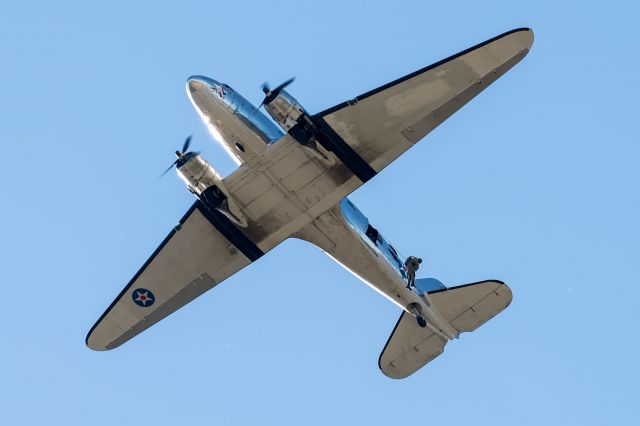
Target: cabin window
(394, 253)
(372, 233)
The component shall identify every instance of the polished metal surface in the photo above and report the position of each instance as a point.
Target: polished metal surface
(285, 110)
(233, 121)
(198, 174)
(359, 223)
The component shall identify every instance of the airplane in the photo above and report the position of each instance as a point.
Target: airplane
(293, 180)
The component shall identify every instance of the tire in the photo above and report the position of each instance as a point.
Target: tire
(421, 321)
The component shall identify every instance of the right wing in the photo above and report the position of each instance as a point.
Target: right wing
(284, 188)
(196, 256)
(369, 131)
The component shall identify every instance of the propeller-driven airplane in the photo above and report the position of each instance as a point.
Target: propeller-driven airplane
(292, 182)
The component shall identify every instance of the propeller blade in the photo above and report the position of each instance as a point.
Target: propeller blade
(185, 146)
(265, 88)
(283, 85)
(181, 155)
(169, 168)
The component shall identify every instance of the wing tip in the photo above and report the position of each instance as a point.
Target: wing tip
(89, 342)
(528, 36)
(93, 345)
(94, 342)
(523, 37)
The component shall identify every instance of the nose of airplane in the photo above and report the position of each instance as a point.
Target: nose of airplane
(200, 82)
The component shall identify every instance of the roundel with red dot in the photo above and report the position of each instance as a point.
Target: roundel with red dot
(143, 297)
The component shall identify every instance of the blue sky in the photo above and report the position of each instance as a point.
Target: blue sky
(534, 183)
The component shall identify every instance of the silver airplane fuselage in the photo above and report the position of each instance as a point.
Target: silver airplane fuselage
(245, 132)
(241, 129)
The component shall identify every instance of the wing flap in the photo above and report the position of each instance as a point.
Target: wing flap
(192, 259)
(469, 306)
(382, 124)
(409, 348)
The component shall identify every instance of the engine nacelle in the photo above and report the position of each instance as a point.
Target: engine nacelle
(285, 110)
(198, 174)
(206, 184)
(293, 118)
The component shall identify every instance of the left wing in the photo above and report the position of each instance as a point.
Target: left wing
(378, 126)
(196, 256)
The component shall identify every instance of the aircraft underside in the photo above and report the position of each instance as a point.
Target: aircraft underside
(293, 181)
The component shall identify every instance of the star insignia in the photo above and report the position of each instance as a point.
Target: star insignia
(143, 297)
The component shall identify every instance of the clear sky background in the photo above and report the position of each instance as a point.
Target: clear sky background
(535, 182)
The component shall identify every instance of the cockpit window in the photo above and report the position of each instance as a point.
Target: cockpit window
(222, 90)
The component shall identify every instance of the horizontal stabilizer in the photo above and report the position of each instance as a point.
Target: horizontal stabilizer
(468, 306)
(409, 348)
(465, 307)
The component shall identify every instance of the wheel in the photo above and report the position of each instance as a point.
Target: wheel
(421, 321)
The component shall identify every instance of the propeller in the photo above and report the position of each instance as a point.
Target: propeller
(185, 145)
(270, 95)
(182, 155)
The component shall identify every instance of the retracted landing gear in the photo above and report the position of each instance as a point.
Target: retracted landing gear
(421, 321)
